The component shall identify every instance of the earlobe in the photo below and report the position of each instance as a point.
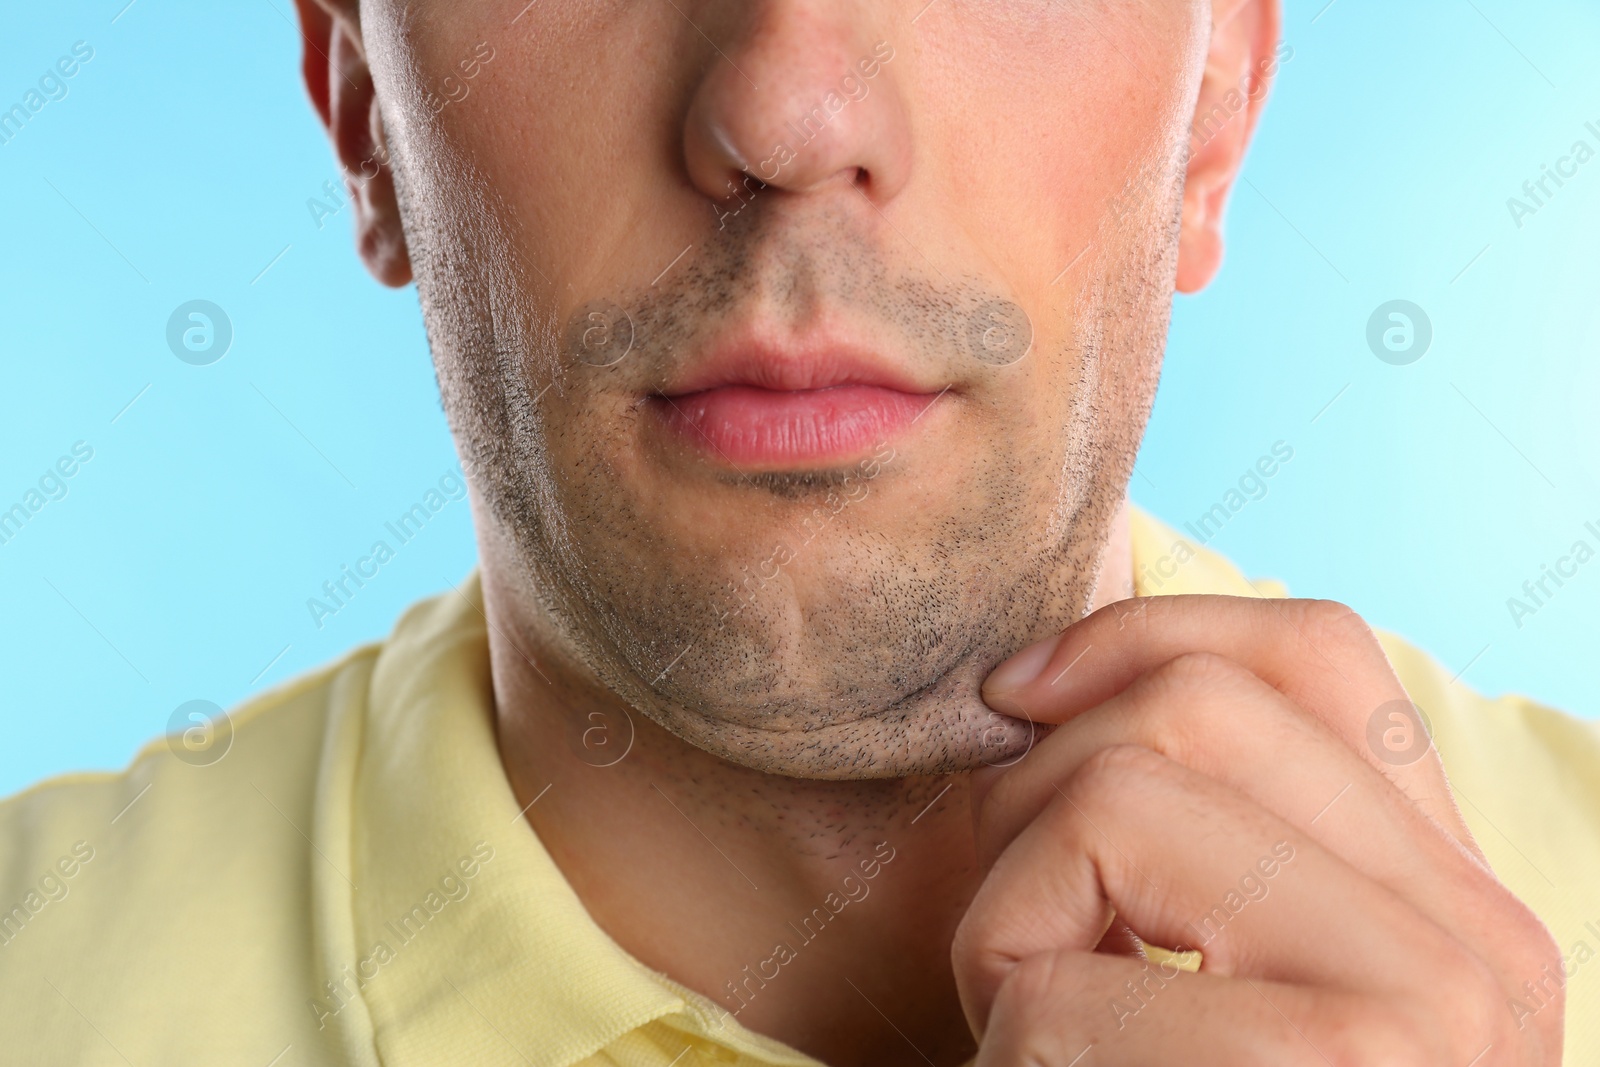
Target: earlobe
(1243, 58)
(1200, 242)
(380, 236)
(342, 92)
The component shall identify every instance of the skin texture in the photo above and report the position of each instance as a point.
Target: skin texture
(984, 530)
(1199, 736)
(725, 739)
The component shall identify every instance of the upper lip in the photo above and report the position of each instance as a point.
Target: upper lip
(752, 357)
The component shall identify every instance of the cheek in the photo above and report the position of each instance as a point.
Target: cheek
(574, 127)
(1045, 118)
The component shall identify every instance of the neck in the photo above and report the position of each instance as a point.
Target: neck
(784, 900)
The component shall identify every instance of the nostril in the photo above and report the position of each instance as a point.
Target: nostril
(795, 135)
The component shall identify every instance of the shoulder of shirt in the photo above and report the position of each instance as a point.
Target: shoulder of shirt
(276, 738)
(192, 880)
(157, 834)
(263, 722)
(253, 720)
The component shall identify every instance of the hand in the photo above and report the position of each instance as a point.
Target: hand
(1210, 786)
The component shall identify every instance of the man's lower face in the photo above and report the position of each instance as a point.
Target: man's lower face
(792, 493)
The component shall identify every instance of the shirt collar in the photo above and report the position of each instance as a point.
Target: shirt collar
(487, 953)
(463, 940)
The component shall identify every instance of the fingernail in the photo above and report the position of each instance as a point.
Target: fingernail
(1022, 668)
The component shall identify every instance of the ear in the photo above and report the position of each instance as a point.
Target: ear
(336, 74)
(1242, 61)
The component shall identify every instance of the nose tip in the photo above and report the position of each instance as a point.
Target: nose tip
(801, 105)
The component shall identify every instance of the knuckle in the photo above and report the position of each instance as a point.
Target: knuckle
(1385, 1038)
(966, 947)
(1173, 700)
(979, 954)
(1369, 1030)
(1467, 1003)
(973, 963)
(1529, 945)
(1452, 1014)
(1111, 784)
(1328, 622)
(1482, 1002)
(1038, 1006)
(1537, 972)
(1030, 986)
(987, 977)
(1196, 670)
(1113, 770)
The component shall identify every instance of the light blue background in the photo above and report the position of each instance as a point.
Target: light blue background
(179, 166)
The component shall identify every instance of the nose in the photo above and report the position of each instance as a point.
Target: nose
(807, 99)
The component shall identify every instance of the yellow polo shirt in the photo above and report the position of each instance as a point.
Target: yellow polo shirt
(353, 883)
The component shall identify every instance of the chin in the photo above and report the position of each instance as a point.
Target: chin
(940, 728)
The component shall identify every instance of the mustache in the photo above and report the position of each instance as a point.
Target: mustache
(952, 329)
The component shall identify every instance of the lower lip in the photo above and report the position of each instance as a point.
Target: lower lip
(750, 427)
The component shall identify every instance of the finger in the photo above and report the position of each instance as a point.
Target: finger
(1182, 858)
(1216, 718)
(1219, 720)
(1319, 654)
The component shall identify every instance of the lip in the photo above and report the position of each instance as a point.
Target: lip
(752, 357)
(758, 405)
